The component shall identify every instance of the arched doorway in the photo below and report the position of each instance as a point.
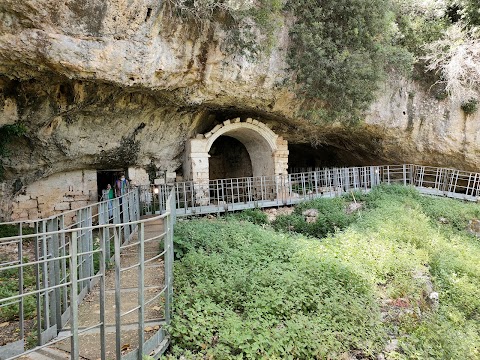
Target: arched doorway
(229, 158)
(268, 152)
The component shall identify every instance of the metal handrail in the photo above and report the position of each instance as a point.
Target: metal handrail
(222, 195)
(64, 271)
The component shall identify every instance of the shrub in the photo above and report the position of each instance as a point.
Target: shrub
(251, 293)
(470, 107)
(331, 217)
(12, 230)
(338, 52)
(449, 212)
(255, 216)
(247, 292)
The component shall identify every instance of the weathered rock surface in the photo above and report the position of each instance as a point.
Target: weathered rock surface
(115, 83)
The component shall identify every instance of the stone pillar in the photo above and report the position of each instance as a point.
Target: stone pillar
(280, 157)
(199, 170)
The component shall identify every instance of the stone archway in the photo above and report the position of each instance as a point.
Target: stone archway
(268, 151)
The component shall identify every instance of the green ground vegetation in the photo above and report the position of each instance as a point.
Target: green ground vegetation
(347, 284)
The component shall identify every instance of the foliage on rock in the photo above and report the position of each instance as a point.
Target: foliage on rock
(339, 51)
(456, 56)
(470, 106)
(250, 25)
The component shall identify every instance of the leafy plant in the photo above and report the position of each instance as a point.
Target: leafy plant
(338, 52)
(246, 292)
(255, 216)
(250, 26)
(470, 107)
(9, 287)
(12, 230)
(331, 217)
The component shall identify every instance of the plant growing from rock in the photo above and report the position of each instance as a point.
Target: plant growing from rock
(456, 58)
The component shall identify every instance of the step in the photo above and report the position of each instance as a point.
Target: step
(47, 353)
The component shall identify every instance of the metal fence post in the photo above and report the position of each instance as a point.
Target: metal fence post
(141, 287)
(20, 281)
(118, 320)
(104, 254)
(74, 349)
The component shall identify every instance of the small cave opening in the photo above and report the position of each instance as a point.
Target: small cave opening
(108, 177)
(229, 158)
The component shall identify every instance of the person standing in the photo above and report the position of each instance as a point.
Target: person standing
(110, 196)
(121, 186)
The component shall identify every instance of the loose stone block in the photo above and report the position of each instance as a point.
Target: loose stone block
(33, 214)
(22, 198)
(216, 128)
(255, 122)
(208, 134)
(81, 198)
(249, 120)
(226, 122)
(236, 120)
(79, 204)
(171, 175)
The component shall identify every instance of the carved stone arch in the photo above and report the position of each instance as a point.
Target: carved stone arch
(268, 152)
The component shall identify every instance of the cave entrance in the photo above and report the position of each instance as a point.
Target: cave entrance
(105, 177)
(339, 153)
(267, 152)
(229, 158)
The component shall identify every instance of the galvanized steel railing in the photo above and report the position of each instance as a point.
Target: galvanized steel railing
(217, 196)
(71, 254)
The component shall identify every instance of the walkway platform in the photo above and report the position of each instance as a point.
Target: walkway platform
(89, 310)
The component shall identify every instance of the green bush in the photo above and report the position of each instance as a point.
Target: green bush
(12, 230)
(331, 217)
(470, 107)
(255, 216)
(338, 52)
(450, 212)
(9, 287)
(247, 292)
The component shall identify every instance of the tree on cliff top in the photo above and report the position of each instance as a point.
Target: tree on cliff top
(339, 51)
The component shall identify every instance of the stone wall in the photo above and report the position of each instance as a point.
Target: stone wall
(138, 176)
(55, 194)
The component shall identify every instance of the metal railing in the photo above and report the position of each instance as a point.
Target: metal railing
(59, 260)
(222, 195)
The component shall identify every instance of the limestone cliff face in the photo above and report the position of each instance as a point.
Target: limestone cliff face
(115, 83)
